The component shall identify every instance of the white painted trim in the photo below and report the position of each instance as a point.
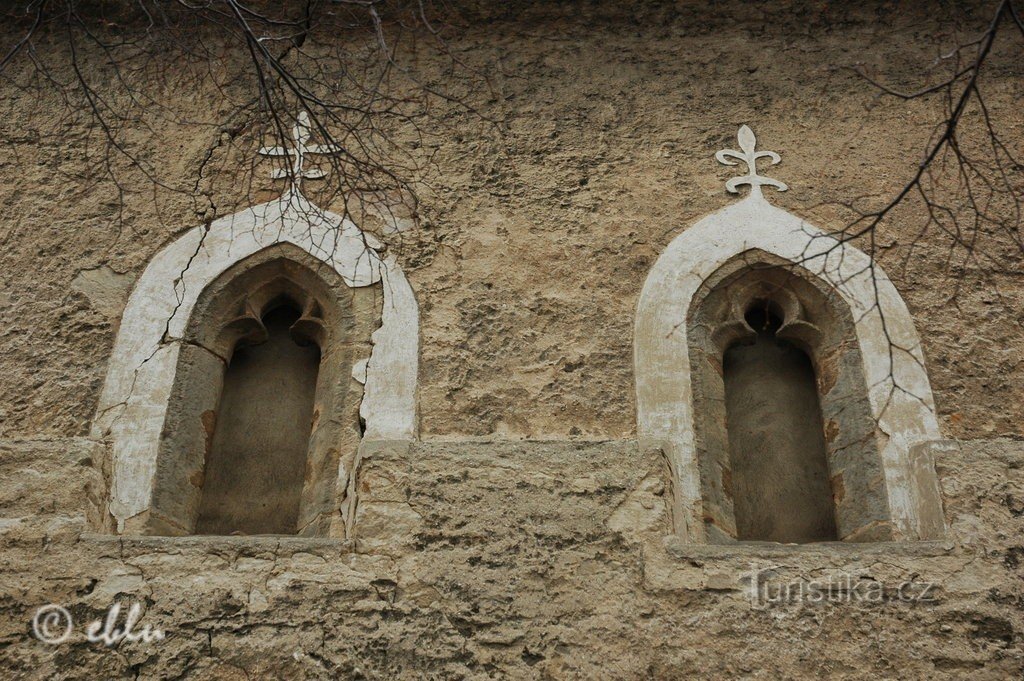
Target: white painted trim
(661, 351)
(134, 400)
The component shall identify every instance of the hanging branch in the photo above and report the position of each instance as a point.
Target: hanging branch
(118, 69)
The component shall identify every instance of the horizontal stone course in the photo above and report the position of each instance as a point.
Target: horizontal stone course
(528, 560)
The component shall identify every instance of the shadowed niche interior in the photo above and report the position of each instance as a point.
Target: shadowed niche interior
(780, 477)
(262, 425)
(786, 444)
(257, 460)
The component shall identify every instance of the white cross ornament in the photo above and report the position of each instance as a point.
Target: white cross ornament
(300, 147)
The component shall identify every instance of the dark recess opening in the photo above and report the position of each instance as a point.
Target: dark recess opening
(256, 462)
(780, 479)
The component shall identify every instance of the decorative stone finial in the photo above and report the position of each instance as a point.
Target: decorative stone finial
(300, 147)
(730, 157)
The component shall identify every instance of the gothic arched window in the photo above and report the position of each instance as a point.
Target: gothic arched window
(264, 407)
(779, 372)
(207, 403)
(782, 422)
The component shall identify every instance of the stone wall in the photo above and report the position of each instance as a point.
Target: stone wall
(511, 560)
(527, 535)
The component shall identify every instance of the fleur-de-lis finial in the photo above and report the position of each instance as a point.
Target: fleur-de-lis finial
(300, 147)
(730, 157)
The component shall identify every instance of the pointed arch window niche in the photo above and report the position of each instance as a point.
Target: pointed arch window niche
(779, 372)
(269, 351)
(773, 359)
(258, 358)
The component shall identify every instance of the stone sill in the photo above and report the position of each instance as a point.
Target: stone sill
(677, 548)
(285, 543)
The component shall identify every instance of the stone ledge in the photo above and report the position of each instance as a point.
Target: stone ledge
(677, 548)
(287, 544)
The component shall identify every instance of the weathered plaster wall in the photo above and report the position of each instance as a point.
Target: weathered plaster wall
(536, 242)
(544, 558)
(508, 560)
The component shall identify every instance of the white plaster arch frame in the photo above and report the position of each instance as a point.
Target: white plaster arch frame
(665, 416)
(135, 395)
